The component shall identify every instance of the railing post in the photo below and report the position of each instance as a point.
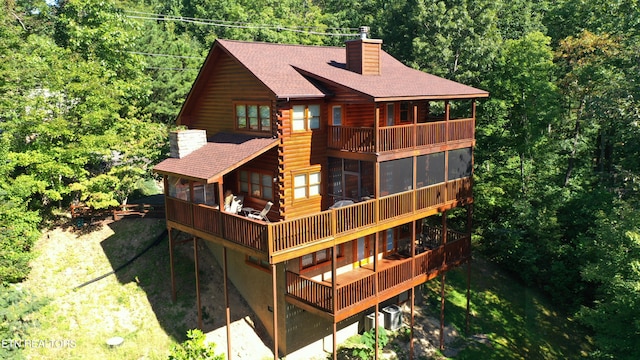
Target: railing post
(447, 109)
(376, 135)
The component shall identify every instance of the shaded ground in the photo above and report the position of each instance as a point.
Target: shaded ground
(508, 321)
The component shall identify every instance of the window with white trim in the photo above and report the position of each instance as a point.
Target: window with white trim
(306, 117)
(306, 185)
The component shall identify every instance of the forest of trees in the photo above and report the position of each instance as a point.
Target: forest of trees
(90, 88)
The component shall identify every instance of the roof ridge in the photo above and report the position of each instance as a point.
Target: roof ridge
(279, 44)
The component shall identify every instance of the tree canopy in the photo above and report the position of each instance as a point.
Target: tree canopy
(89, 89)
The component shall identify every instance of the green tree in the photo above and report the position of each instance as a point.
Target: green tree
(615, 311)
(194, 348)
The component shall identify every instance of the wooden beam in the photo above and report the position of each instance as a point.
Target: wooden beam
(442, 279)
(413, 300)
(226, 300)
(171, 267)
(218, 240)
(274, 289)
(198, 303)
(376, 248)
(334, 300)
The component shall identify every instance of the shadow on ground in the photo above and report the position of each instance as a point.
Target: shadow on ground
(146, 242)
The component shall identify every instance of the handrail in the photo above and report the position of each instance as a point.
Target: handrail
(276, 237)
(319, 293)
(399, 137)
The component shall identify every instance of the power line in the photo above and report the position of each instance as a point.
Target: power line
(231, 22)
(239, 25)
(168, 68)
(167, 55)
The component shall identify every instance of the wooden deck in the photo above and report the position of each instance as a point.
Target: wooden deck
(284, 240)
(363, 287)
(402, 137)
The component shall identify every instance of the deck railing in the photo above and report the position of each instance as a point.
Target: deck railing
(399, 137)
(277, 237)
(399, 276)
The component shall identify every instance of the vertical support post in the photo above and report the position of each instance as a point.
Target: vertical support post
(376, 247)
(415, 126)
(468, 295)
(469, 229)
(376, 125)
(447, 115)
(442, 311)
(334, 299)
(413, 301)
(274, 288)
(221, 206)
(226, 300)
(376, 208)
(198, 303)
(173, 275)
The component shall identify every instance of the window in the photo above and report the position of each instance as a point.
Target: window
(405, 111)
(460, 164)
(391, 244)
(179, 188)
(253, 117)
(306, 185)
(320, 257)
(396, 176)
(306, 117)
(430, 169)
(257, 185)
(336, 115)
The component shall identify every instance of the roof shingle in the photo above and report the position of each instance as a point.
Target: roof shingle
(223, 153)
(284, 69)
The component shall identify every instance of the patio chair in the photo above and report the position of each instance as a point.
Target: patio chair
(236, 204)
(261, 215)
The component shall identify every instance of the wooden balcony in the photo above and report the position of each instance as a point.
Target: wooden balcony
(402, 137)
(361, 288)
(285, 240)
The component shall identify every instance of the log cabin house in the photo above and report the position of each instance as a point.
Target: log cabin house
(342, 164)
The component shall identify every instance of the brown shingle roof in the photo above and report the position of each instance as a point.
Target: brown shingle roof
(223, 153)
(284, 69)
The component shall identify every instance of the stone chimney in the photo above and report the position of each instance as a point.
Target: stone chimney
(363, 55)
(184, 142)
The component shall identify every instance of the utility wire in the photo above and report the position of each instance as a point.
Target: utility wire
(168, 68)
(167, 55)
(239, 25)
(155, 15)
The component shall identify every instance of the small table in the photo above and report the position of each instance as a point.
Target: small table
(247, 210)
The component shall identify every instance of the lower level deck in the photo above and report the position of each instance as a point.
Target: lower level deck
(357, 290)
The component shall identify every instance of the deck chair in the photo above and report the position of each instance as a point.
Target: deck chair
(236, 204)
(261, 215)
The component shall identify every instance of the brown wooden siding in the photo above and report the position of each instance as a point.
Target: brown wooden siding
(228, 82)
(359, 115)
(302, 151)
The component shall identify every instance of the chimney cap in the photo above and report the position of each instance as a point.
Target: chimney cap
(364, 30)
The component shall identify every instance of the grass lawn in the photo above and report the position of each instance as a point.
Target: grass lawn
(135, 303)
(519, 322)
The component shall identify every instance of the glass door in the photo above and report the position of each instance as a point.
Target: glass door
(390, 114)
(364, 252)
